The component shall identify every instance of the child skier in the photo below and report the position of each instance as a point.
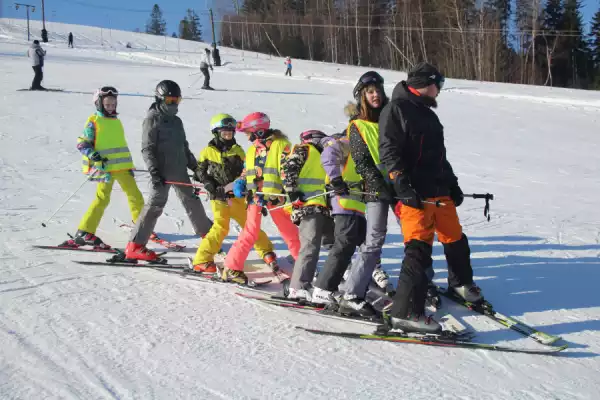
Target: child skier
(220, 163)
(303, 177)
(263, 163)
(167, 155)
(106, 159)
(288, 66)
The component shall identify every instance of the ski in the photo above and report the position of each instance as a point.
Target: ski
(132, 264)
(73, 248)
(285, 304)
(433, 340)
(40, 90)
(211, 277)
(153, 238)
(486, 308)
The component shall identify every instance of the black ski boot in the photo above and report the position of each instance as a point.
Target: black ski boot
(83, 238)
(355, 307)
(433, 298)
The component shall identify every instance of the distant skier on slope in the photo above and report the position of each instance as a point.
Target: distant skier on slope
(205, 64)
(167, 155)
(412, 150)
(71, 39)
(288, 66)
(37, 54)
(106, 158)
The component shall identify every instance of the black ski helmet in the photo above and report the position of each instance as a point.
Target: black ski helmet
(368, 78)
(166, 88)
(100, 94)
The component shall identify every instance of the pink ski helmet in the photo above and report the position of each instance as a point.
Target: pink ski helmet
(257, 123)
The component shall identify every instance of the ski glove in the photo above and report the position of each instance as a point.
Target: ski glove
(239, 188)
(156, 178)
(216, 191)
(297, 198)
(457, 195)
(95, 156)
(405, 193)
(339, 186)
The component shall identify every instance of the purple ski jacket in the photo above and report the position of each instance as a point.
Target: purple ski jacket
(334, 155)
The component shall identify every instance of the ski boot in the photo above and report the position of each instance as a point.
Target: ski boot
(469, 292)
(135, 251)
(230, 275)
(303, 295)
(354, 307)
(433, 298)
(270, 259)
(417, 323)
(205, 268)
(83, 238)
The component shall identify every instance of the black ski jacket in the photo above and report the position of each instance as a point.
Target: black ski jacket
(411, 142)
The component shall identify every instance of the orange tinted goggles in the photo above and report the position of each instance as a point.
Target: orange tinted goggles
(172, 100)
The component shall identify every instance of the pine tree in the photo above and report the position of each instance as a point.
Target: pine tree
(595, 48)
(575, 50)
(174, 35)
(190, 28)
(156, 24)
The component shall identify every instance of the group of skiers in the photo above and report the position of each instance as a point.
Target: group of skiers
(329, 188)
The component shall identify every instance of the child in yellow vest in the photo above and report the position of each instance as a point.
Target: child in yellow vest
(220, 163)
(262, 174)
(106, 158)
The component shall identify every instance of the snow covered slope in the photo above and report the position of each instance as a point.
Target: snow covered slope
(77, 332)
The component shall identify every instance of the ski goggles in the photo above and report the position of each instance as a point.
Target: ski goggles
(172, 100)
(372, 78)
(228, 124)
(439, 82)
(109, 91)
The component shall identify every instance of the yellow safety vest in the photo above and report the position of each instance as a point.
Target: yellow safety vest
(369, 131)
(110, 143)
(211, 153)
(311, 180)
(353, 179)
(270, 173)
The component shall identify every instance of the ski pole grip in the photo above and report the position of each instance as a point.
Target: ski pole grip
(487, 196)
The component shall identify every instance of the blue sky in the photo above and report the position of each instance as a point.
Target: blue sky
(131, 14)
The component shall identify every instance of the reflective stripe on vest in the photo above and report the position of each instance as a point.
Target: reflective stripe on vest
(271, 182)
(111, 144)
(369, 131)
(311, 180)
(353, 179)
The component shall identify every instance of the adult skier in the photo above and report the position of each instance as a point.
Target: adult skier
(205, 64)
(262, 174)
(412, 150)
(220, 163)
(37, 54)
(304, 177)
(167, 155)
(71, 39)
(106, 159)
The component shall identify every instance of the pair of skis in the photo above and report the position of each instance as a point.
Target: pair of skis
(458, 335)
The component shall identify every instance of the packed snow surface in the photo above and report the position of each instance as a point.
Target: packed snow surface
(69, 331)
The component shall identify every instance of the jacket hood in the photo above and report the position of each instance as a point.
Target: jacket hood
(162, 108)
(402, 92)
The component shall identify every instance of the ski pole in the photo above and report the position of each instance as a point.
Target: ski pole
(196, 185)
(306, 199)
(436, 203)
(69, 198)
(487, 197)
(194, 83)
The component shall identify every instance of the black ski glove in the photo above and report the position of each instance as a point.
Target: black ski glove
(339, 186)
(157, 179)
(95, 156)
(297, 197)
(457, 195)
(405, 193)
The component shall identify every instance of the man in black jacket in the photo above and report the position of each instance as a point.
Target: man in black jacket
(412, 149)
